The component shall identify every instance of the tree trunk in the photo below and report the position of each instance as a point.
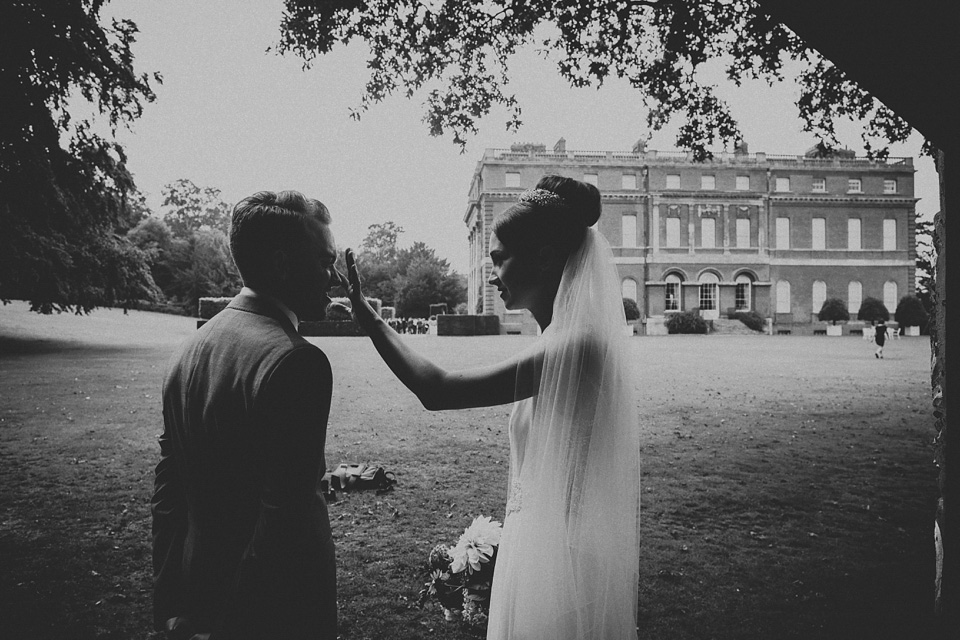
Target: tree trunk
(947, 451)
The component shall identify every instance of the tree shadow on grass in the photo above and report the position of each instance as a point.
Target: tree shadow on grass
(32, 346)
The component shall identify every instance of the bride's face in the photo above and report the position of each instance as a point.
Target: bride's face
(516, 275)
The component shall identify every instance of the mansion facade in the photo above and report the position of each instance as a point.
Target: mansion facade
(774, 234)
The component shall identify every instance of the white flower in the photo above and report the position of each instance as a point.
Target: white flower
(476, 545)
(450, 615)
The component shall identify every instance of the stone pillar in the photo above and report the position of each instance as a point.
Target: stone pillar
(725, 215)
(655, 227)
(763, 212)
(693, 214)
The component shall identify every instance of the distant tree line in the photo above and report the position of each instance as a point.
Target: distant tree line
(408, 279)
(186, 249)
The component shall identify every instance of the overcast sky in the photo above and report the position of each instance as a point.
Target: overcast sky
(231, 116)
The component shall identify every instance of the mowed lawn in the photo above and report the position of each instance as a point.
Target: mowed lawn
(788, 483)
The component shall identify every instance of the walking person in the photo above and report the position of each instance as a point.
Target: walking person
(567, 566)
(880, 338)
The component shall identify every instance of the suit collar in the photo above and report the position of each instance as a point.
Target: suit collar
(264, 305)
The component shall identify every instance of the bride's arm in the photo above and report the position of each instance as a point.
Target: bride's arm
(436, 387)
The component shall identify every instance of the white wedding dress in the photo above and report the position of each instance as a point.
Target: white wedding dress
(567, 566)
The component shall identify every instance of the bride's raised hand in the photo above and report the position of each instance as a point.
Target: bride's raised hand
(362, 311)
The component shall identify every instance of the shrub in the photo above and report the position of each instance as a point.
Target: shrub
(752, 319)
(376, 303)
(833, 310)
(910, 312)
(686, 322)
(873, 310)
(630, 309)
(338, 312)
(209, 307)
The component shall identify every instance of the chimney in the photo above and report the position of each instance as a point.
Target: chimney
(561, 146)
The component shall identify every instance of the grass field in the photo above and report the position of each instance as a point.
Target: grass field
(788, 482)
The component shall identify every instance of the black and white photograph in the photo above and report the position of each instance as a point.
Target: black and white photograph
(459, 319)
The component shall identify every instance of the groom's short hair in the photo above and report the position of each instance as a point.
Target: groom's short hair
(268, 221)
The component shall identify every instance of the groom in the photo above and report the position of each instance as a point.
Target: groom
(242, 546)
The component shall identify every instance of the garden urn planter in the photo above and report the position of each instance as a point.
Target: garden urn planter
(834, 330)
(911, 331)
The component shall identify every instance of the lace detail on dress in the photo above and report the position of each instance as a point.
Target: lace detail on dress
(514, 498)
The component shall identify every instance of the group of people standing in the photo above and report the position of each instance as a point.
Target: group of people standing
(242, 542)
(415, 326)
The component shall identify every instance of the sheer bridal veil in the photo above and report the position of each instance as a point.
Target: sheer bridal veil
(572, 569)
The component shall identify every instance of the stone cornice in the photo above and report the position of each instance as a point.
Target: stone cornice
(708, 195)
(849, 200)
(724, 197)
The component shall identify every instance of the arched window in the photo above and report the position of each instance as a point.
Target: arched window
(783, 296)
(890, 295)
(708, 291)
(628, 288)
(819, 295)
(743, 293)
(854, 297)
(673, 300)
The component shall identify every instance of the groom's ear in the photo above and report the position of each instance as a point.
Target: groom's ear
(281, 265)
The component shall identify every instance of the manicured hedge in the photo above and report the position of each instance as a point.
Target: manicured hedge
(752, 319)
(209, 307)
(467, 325)
(686, 322)
(833, 310)
(873, 310)
(630, 309)
(910, 312)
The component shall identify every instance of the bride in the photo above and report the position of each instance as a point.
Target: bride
(567, 566)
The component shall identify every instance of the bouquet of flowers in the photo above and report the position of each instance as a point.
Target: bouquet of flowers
(461, 575)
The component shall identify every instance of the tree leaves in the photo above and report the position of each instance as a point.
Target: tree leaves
(62, 209)
(409, 279)
(189, 208)
(459, 51)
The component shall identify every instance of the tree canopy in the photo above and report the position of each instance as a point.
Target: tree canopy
(66, 196)
(188, 208)
(459, 52)
(187, 248)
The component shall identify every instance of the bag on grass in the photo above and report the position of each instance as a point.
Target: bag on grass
(356, 477)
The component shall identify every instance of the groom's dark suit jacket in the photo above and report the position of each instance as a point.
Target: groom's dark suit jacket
(241, 537)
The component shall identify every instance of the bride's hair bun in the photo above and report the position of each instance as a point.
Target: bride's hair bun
(556, 213)
(582, 198)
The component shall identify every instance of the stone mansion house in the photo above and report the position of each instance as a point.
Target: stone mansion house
(775, 234)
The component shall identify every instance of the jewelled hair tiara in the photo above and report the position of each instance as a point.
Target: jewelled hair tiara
(542, 198)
